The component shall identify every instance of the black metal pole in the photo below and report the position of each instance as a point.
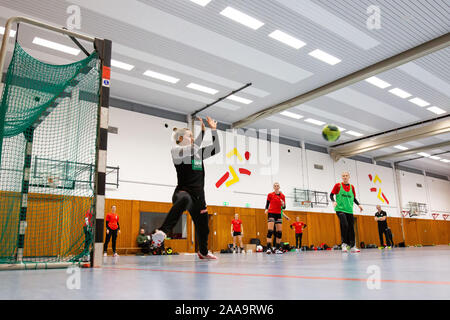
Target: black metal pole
(392, 130)
(218, 100)
(436, 154)
(78, 43)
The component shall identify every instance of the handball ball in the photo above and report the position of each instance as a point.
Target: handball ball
(331, 132)
(259, 248)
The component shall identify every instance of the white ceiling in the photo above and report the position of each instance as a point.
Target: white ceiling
(197, 44)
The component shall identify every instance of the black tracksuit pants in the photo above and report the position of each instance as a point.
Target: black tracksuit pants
(183, 201)
(346, 222)
(298, 240)
(383, 229)
(112, 234)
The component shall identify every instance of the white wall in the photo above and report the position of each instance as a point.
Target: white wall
(383, 183)
(438, 196)
(410, 191)
(142, 151)
(434, 192)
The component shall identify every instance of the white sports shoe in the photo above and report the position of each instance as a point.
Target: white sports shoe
(209, 256)
(116, 255)
(268, 251)
(344, 247)
(158, 238)
(278, 251)
(355, 249)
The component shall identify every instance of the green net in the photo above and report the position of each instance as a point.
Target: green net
(48, 136)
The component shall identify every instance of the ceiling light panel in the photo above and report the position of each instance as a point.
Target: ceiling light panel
(378, 82)
(239, 99)
(419, 102)
(354, 133)
(12, 33)
(56, 46)
(423, 154)
(201, 2)
(287, 39)
(160, 76)
(314, 121)
(436, 110)
(291, 115)
(325, 57)
(201, 88)
(400, 93)
(121, 65)
(242, 18)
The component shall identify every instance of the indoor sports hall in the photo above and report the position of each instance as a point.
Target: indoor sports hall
(232, 150)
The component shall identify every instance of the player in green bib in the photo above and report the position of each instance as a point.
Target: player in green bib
(343, 205)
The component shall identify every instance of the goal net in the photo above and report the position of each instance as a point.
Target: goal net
(48, 138)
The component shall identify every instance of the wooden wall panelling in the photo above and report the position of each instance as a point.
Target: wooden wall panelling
(436, 229)
(321, 228)
(448, 231)
(135, 223)
(395, 224)
(337, 229)
(410, 228)
(444, 237)
(261, 226)
(429, 230)
(288, 233)
(43, 225)
(368, 230)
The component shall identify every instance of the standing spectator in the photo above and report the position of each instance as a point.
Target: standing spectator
(237, 231)
(112, 230)
(299, 226)
(380, 217)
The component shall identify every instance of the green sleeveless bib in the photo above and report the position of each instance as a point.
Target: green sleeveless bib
(344, 200)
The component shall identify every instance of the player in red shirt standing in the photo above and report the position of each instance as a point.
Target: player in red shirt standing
(276, 203)
(112, 229)
(299, 226)
(237, 231)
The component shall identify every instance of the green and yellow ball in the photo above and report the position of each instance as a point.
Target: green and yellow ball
(331, 132)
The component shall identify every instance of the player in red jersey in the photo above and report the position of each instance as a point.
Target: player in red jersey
(299, 226)
(276, 203)
(112, 229)
(237, 231)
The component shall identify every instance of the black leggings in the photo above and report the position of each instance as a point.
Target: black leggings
(113, 234)
(183, 201)
(298, 240)
(145, 247)
(347, 228)
(388, 235)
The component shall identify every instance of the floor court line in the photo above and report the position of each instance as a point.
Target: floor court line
(278, 276)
